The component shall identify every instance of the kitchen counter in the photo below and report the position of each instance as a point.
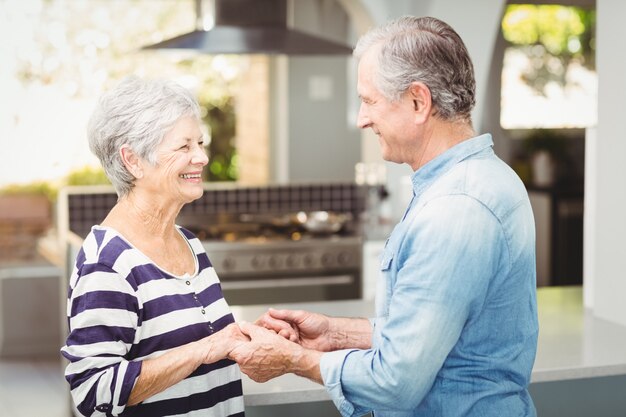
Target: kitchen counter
(573, 344)
(29, 310)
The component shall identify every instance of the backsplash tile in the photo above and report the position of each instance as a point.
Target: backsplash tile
(85, 210)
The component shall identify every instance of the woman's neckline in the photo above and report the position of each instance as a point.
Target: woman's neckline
(186, 275)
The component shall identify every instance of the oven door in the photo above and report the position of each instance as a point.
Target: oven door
(291, 288)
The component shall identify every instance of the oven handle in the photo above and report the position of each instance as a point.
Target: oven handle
(288, 282)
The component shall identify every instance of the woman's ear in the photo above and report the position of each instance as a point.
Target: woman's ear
(419, 94)
(131, 161)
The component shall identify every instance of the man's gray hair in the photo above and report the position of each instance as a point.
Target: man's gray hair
(426, 50)
(138, 113)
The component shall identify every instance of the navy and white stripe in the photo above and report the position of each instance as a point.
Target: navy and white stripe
(122, 309)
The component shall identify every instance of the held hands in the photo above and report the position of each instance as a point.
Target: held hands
(310, 330)
(266, 356)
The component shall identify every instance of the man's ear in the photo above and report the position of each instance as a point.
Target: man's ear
(131, 161)
(419, 94)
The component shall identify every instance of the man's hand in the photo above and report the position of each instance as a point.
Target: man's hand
(268, 355)
(310, 330)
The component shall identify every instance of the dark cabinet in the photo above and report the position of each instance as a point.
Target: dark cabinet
(558, 214)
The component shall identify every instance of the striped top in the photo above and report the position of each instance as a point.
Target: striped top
(122, 308)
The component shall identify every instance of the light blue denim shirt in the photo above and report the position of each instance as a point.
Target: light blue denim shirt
(455, 332)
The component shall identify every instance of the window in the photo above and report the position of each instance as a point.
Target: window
(59, 56)
(548, 76)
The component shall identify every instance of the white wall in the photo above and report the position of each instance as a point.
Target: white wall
(311, 138)
(607, 257)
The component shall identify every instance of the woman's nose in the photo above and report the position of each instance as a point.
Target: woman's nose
(200, 156)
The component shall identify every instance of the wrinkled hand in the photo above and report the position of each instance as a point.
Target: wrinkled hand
(220, 344)
(266, 356)
(310, 330)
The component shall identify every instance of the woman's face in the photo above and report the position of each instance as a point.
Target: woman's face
(180, 160)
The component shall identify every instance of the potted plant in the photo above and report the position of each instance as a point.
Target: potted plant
(25, 215)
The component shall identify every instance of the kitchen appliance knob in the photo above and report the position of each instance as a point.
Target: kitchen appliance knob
(291, 261)
(344, 258)
(229, 264)
(307, 260)
(257, 262)
(273, 262)
(327, 259)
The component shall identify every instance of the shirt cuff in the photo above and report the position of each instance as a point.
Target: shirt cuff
(130, 379)
(331, 365)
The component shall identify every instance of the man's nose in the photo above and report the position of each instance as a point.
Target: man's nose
(362, 120)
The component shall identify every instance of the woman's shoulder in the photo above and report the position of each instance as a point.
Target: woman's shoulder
(104, 245)
(104, 255)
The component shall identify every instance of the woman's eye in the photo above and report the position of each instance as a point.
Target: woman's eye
(184, 147)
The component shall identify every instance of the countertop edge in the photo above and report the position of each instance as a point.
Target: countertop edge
(314, 394)
(318, 393)
(553, 375)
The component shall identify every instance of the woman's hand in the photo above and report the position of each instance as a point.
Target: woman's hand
(217, 346)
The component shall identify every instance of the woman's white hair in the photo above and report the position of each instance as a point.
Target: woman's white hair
(427, 50)
(138, 113)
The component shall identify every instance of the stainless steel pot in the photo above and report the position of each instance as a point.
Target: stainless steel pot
(316, 222)
(322, 222)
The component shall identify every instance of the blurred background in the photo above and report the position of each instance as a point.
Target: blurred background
(271, 120)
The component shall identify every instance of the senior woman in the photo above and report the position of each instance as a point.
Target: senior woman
(149, 329)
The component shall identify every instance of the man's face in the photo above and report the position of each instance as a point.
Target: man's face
(393, 122)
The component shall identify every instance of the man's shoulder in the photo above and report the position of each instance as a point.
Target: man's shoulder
(488, 180)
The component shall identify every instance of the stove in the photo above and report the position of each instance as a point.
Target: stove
(261, 264)
(260, 255)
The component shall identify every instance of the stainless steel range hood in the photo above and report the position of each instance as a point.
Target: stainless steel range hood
(251, 27)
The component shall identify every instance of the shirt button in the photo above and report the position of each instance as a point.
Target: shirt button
(104, 407)
(187, 282)
(203, 312)
(195, 297)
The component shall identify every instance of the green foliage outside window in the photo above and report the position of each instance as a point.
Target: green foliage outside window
(87, 175)
(216, 98)
(90, 46)
(553, 37)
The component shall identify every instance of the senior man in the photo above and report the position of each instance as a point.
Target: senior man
(455, 331)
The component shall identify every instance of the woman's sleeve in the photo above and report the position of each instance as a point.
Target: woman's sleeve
(103, 317)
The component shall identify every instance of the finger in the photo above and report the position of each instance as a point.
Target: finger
(252, 330)
(234, 332)
(270, 322)
(260, 320)
(289, 335)
(294, 316)
(244, 327)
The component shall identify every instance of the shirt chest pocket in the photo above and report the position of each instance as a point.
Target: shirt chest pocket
(385, 282)
(386, 259)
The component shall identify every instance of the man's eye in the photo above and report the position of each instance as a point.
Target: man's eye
(184, 147)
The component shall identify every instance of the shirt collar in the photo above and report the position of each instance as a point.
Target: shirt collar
(425, 175)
